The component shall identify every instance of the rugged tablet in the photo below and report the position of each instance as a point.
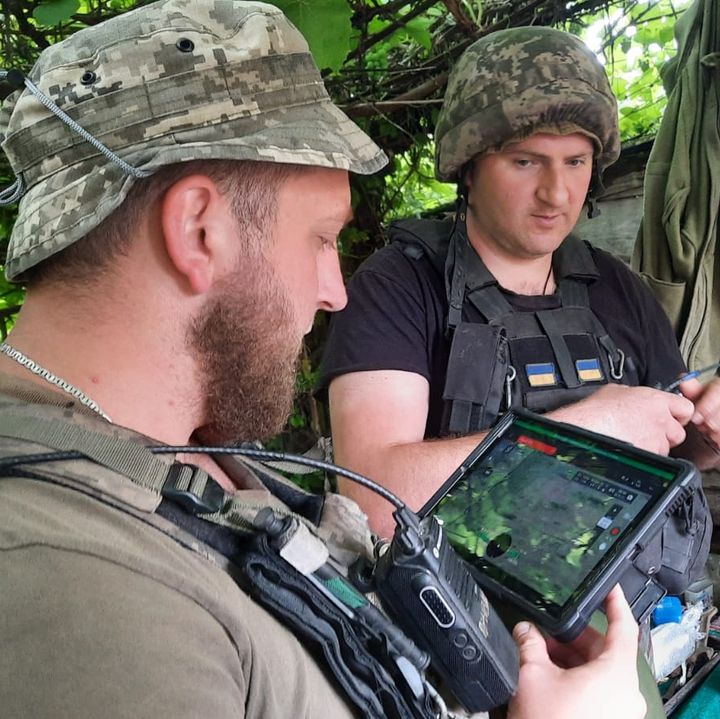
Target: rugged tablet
(550, 517)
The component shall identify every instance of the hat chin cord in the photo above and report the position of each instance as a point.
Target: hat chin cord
(12, 194)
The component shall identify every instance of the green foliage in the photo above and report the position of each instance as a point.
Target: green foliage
(325, 25)
(55, 11)
(412, 189)
(11, 297)
(635, 40)
(418, 30)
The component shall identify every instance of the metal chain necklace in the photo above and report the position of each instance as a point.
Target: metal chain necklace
(53, 379)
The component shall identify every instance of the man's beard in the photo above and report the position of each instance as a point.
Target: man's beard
(247, 345)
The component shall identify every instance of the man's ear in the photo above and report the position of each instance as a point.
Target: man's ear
(194, 217)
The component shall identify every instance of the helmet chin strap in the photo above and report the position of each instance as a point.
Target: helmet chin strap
(592, 209)
(596, 188)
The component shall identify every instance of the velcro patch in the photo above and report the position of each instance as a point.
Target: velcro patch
(589, 370)
(541, 374)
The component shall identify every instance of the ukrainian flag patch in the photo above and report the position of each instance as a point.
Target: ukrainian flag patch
(589, 370)
(541, 374)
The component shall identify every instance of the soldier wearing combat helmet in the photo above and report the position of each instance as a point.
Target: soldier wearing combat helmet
(183, 177)
(501, 306)
(520, 82)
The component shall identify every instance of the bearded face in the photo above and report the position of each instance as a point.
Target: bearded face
(247, 344)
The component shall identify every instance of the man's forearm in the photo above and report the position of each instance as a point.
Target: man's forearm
(414, 471)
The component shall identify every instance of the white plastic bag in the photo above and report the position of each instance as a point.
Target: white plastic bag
(673, 643)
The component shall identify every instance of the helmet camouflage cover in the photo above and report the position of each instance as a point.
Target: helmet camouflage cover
(514, 82)
(169, 82)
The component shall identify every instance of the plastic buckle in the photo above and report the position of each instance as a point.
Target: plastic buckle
(644, 603)
(211, 500)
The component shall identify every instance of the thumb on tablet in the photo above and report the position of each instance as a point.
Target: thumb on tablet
(531, 644)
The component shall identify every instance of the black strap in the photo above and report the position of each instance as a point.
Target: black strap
(554, 329)
(360, 664)
(573, 293)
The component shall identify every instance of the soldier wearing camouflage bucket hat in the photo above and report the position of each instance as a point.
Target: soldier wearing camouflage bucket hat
(199, 85)
(182, 179)
(459, 320)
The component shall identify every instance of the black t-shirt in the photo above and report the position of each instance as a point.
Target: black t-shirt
(396, 316)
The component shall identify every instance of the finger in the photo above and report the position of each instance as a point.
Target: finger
(710, 432)
(707, 407)
(681, 408)
(564, 655)
(692, 389)
(531, 644)
(675, 435)
(621, 639)
(585, 647)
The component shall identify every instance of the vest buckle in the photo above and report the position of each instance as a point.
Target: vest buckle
(193, 489)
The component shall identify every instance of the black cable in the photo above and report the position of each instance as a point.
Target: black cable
(40, 457)
(265, 455)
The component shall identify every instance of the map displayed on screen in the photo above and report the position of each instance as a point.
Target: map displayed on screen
(544, 512)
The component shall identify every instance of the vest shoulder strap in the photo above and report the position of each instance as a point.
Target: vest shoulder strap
(423, 237)
(152, 477)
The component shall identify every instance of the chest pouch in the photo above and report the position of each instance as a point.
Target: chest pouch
(477, 380)
(559, 356)
(676, 555)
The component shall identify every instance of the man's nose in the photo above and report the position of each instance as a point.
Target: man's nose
(553, 187)
(332, 295)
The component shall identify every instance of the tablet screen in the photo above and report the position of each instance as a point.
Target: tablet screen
(541, 509)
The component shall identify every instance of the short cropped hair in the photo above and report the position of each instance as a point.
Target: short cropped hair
(251, 187)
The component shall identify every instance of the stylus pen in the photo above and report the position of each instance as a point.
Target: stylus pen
(690, 375)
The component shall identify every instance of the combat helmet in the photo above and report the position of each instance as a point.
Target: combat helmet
(512, 83)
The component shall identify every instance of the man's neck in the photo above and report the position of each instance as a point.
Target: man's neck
(524, 276)
(123, 368)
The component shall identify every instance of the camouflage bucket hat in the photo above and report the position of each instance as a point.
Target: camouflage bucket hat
(512, 82)
(169, 82)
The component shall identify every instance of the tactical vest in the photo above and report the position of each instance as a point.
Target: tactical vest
(501, 358)
(184, 502)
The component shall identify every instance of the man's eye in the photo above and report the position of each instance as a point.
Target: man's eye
(577, 162)
(523, 162)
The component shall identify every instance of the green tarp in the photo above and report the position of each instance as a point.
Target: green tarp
(675, 249)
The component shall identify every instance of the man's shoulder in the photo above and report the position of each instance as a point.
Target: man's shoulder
(401, 264)
(614, 271)
(607, 260)
(81, 506)
(139, 591)
(124, 600)
(391, 259)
